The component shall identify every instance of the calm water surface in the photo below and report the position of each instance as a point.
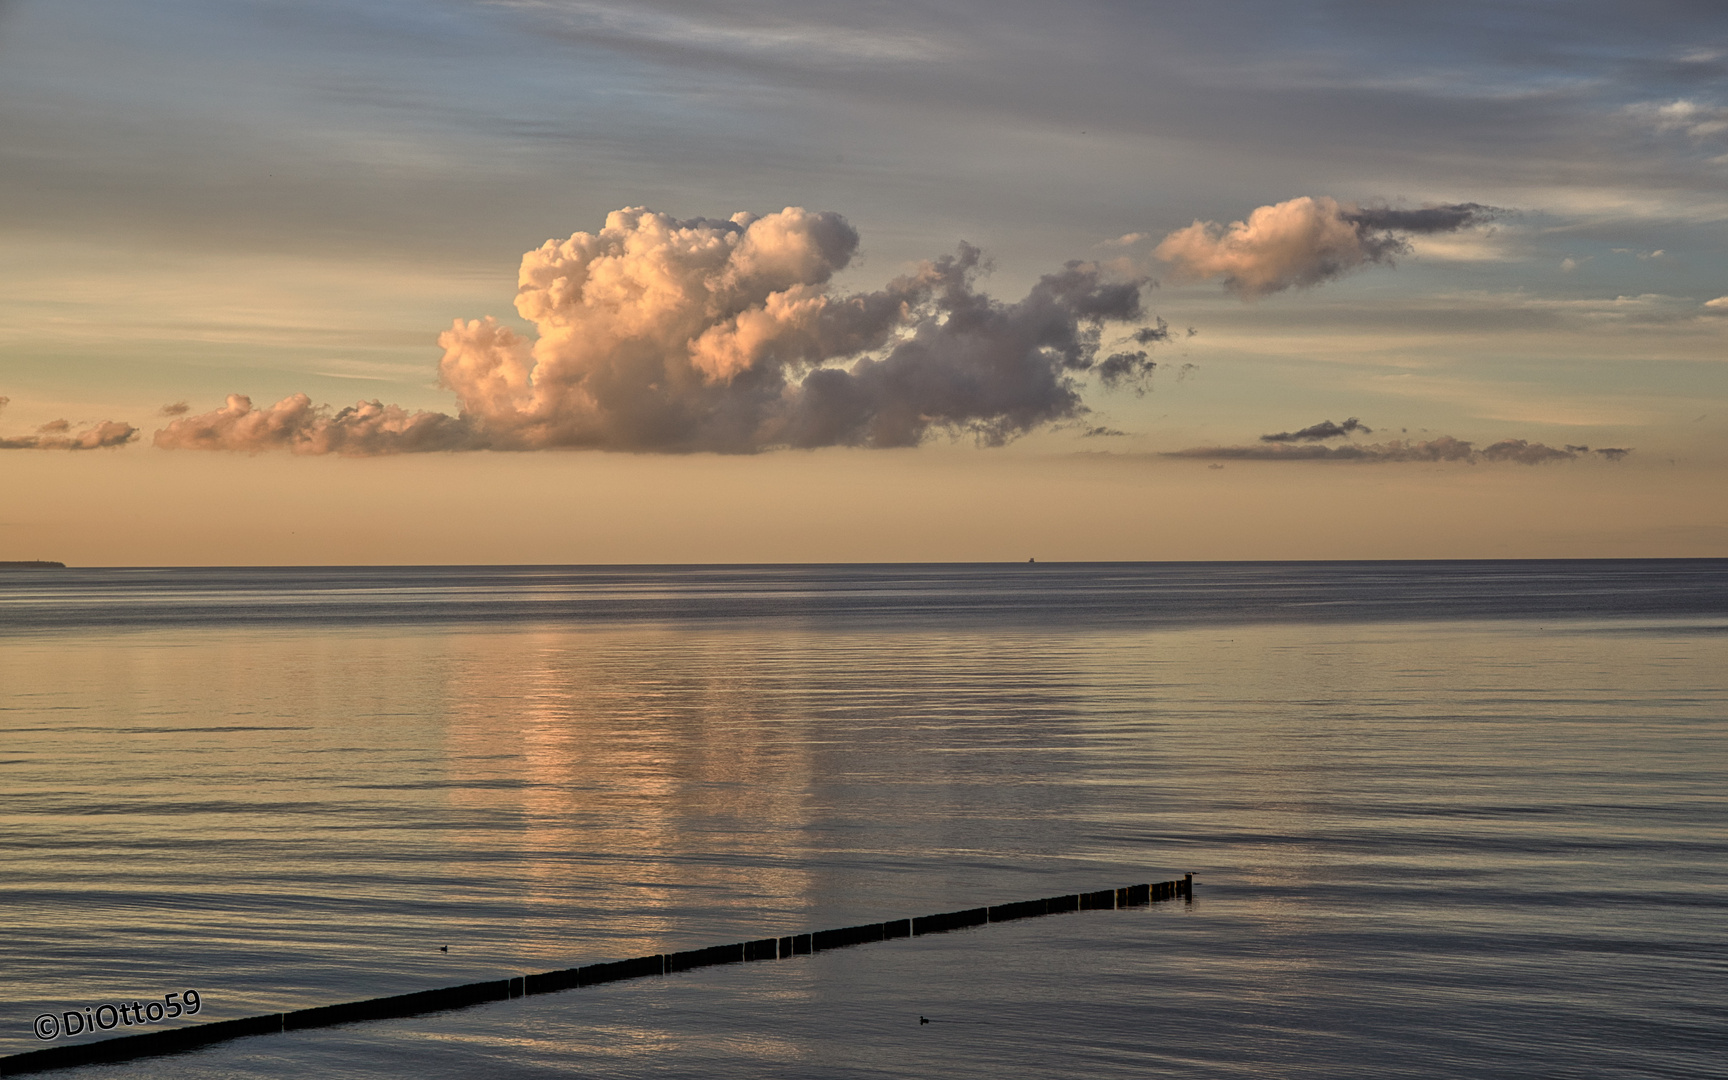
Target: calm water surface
(1445, 819)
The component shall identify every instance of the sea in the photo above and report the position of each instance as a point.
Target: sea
(1444, 819)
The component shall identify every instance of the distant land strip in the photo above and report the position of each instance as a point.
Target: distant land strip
(31, 564)
(181, 1040)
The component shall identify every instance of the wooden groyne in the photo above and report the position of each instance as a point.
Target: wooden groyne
(181, 1040)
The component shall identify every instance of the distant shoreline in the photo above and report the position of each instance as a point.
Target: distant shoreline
(32, 564)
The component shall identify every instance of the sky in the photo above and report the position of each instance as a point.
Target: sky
(557, 281)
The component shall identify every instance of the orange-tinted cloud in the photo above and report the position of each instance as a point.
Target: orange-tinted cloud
(58, 435)
(1303, 242)
(662, 335)
(298, 426)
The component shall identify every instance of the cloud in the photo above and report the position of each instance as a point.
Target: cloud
(1430, 219)
(662, 335)
(1101, 432)
(178, 408)
(1126, 368)
(1134, 369)
(1497, 245)
(1641, 310)
(298, 426)
(1524, 453)
(1325, 429)
(1612, 453)
(1718, 304)
(58, 435)
(1443, 448)
(1305, 242)
(1697, 120)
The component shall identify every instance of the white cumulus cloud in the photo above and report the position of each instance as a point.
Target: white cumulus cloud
(1303, 242)
(656, 334)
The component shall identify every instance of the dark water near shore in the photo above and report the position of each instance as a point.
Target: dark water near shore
(1446, 819)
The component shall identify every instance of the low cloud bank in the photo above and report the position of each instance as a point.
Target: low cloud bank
(297, 425)
(664, 335)
(1444, 448)
(58, 435)
(1305, 242)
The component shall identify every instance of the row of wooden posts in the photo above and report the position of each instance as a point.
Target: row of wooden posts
(180, 1040)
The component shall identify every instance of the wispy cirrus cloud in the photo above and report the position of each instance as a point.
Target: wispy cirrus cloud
(1696, 119)
(789, 35)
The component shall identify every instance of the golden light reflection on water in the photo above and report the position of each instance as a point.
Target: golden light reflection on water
(610, 754)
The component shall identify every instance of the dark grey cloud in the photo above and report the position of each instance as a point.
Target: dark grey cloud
(1612, 453)
(1126, 368)
(1134, 368)
(1444, 218)
(1156, 334)
(1325, 429)
(969, 365)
